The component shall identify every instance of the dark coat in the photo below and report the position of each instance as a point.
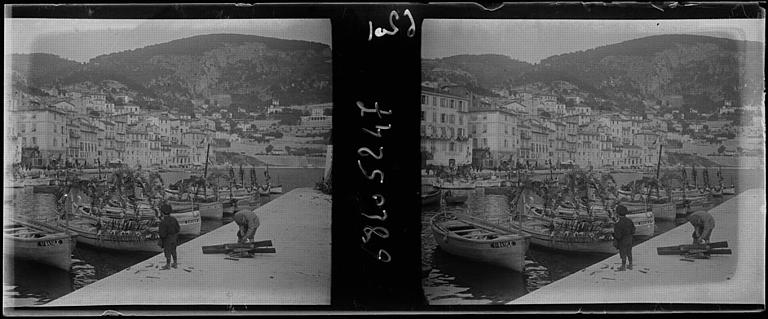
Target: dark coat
(623, 231)
(169, 230)
(248, 222)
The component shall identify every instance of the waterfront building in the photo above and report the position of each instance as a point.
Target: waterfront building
(444, 124)
(495, 135)
(44, 128)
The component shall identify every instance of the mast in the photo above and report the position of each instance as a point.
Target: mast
(658, 167)
(242, 176)
(205, 171)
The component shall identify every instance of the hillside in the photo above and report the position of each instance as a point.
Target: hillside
(704, 70)
(253, 69)
(478, 72)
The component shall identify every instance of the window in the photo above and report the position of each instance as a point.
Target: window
(442, 118)
(452, 119)
(452, 131)
(461, 119)
(434, 117)
(434, 101)
(442, 102)
(24, 141)
(442, 131)
(450, 147)
(423, 115)
(34, 140)
(452, 101)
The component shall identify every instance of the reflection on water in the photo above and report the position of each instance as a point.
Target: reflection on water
(27, 283)
(448, 279)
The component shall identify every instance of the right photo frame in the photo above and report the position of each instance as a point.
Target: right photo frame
(592, 161)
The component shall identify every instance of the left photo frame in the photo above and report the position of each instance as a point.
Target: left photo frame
(167, 162)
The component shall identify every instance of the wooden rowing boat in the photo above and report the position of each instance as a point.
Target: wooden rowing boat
(477, 240)
(455, 199)
(40, 243)
(429, 195)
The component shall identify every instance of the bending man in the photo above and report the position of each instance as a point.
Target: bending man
(248, 223)
(703, 224)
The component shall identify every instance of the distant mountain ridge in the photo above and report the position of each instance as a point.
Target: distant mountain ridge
(704, 70)
(253, 69)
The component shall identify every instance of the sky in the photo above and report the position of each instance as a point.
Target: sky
(83, 39)
(534, 40)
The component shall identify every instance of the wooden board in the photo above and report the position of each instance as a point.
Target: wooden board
(224, 248)
(681, 249)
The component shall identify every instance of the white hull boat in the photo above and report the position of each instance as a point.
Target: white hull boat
(477, 240)
(39, 243)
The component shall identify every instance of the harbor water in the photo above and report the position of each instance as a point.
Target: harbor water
(448, 279)
(28, 283)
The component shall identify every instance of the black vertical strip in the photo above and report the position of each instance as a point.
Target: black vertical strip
(383, 71)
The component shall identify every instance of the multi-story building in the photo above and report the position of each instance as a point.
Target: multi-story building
(444, 127)
(495, 135)
(43, 128)
(317, 121)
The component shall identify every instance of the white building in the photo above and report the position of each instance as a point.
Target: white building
(444, 127)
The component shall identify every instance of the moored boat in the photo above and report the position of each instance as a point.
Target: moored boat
(277, 189)
(587, 236)
(264, 191)
(453, 184)
(452, 198)
(39, 243)
(477, 240)
(430, 195)
(189, 219)
(210, 209)
(124, 234)
(644, 223)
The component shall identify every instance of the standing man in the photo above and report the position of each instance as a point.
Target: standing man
(622, 235)
(703, 224)
(169, 234)
(248, 223)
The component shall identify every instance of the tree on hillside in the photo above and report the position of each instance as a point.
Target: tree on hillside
(269, 148)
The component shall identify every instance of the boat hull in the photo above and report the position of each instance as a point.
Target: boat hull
(190, 222)
(214, 210)
(276, 190)
(666, 211)
(86, 235)
(431, 199)
(507, 251)
(644, 223)
(52, 249)
(549, 241)
(456, 200)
